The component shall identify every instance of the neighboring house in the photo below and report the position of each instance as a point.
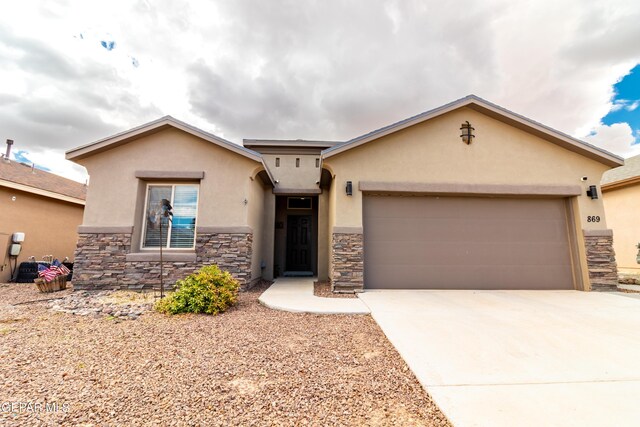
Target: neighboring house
(621, 192)
(410, 205)
(46, 207)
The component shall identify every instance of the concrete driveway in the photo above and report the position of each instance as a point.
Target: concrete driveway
(525, 358)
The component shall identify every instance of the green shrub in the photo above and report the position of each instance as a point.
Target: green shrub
(208, 290)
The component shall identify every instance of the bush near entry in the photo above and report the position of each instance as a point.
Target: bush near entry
(208, 290)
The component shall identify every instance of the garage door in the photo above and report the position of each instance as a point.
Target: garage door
(465, 243)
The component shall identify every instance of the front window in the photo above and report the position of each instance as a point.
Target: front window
(178, 233)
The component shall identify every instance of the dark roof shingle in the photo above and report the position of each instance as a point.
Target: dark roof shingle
(20, 173)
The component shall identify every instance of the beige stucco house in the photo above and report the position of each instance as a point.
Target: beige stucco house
(411, 205)
(46, 207)
(621, 192)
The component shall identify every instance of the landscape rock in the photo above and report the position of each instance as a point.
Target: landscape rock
(103, 304)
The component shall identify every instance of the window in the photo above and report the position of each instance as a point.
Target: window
(178, 233)
(298, 202)
(277, 162)
(317, 163)
(297, 162)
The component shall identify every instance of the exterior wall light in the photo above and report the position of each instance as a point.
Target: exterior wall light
(592, 192)
(349, 188)
(467, 133)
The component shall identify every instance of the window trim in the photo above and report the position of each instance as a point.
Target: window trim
(173, 185)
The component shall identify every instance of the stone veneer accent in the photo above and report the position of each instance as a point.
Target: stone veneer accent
(347, 262)
(100, 261)
(601, 260)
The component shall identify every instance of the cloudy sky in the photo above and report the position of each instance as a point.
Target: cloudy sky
(72, 72)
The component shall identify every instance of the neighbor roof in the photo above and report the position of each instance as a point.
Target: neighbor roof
(623, 175)
(153, 127)
(25, 178)
(493, 111)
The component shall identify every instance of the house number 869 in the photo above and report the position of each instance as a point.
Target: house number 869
(593, 218)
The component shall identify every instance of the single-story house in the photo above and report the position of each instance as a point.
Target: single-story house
(466, 196)
(46, 207)
(621, 193)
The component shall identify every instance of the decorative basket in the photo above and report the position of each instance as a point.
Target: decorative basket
(59, 283)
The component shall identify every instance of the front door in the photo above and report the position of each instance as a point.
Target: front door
(299, 243)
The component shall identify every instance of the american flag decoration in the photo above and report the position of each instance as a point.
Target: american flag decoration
(48, 274)
(63, 270)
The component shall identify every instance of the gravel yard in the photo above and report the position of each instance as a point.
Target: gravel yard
(249, 366)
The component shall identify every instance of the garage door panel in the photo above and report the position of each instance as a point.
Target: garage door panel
(458, 207)
(484, 277)
(466, 243)
(451, 253)
(439, 229)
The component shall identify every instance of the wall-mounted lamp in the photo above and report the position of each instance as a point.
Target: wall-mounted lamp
(467, 133)
(349, 188)
(592, 192)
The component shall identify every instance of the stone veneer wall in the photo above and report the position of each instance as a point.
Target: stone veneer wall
(347, 262)
(601, 260)
(101, 261)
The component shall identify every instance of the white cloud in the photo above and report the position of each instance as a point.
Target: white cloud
(627, 104)
(54, 161)
(617, 139)
(281, 69)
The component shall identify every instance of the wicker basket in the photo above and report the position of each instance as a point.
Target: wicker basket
(57, 284)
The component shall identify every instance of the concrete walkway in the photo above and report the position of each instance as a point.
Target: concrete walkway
(295, 294)
(519, 358)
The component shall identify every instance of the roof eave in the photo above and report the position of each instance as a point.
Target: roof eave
(490, 109)
(288, 143)
(150, 128)
(395, 127)
(614, 185)
(266, 169)
(546, 132)
(41, 192)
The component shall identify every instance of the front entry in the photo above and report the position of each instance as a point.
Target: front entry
(299, 243)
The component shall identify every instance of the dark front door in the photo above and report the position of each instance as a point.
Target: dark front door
(299, 243)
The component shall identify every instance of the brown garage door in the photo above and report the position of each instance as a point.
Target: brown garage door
(465, 243)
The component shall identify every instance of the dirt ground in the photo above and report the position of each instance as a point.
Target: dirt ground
(251, 366)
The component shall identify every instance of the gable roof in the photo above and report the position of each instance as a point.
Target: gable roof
(496, 112)
(153, 127)
(23, 177)
(623, 175)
